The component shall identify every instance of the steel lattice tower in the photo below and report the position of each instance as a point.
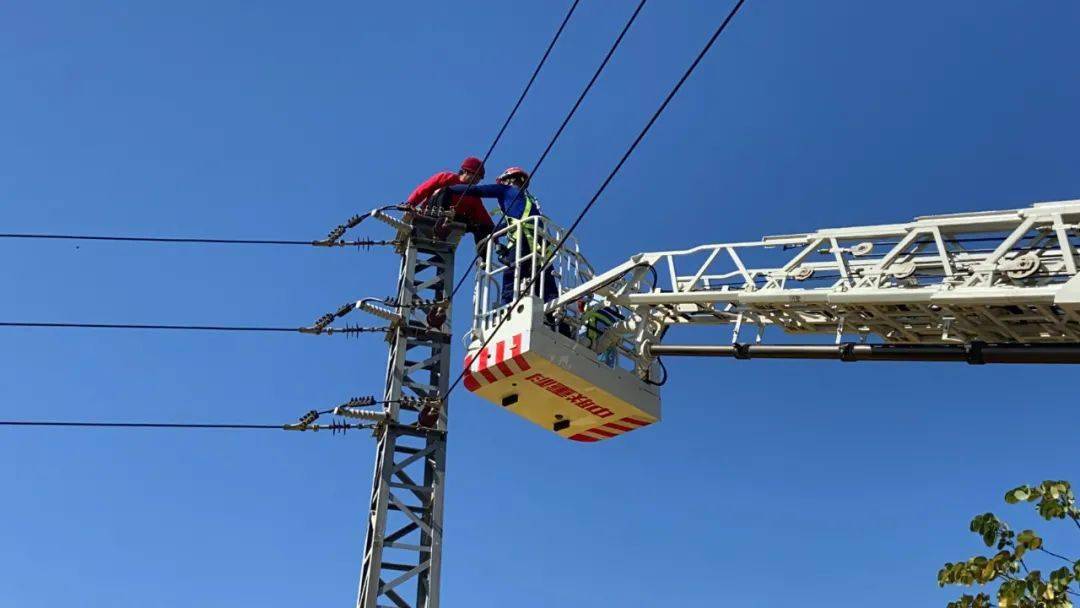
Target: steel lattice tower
(403, 549)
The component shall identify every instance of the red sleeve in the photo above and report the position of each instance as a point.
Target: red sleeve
(479, 222)
(426, 189)
(473, 210)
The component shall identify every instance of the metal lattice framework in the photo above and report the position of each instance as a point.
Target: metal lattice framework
(999, 276)
(403, 550)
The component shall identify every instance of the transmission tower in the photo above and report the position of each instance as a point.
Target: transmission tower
(403, 550)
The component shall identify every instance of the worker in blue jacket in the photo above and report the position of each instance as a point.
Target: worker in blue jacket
(516, 202)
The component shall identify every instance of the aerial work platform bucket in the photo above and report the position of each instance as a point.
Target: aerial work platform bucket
(569, 370)
(536, 372)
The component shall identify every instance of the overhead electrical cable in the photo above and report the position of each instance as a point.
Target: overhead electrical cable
(149, 326)
(603, 186)
(336, 427)
(336, 233)
(192, 240)
(554, 138)
(139, 425)
(322, 243)
(532, 79)
(524, 93)
(223, 328)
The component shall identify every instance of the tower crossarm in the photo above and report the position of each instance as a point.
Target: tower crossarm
(1000, 276)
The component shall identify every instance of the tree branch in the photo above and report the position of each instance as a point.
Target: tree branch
(1061, 557)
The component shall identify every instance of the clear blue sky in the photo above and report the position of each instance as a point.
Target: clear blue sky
(767, 484)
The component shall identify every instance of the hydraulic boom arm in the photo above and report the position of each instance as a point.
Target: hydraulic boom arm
(999, 277)
(578, 352)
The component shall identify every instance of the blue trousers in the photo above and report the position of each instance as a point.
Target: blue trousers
(551, 291)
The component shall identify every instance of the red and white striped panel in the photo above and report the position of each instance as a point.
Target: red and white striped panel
(495, 362)
(609, 430)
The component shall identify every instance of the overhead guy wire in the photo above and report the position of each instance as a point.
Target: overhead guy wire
(603, 186)
(558, 132)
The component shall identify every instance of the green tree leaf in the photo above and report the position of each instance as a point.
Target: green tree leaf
(1016, 495)
(1029, 540)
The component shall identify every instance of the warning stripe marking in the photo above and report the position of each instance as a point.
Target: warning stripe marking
(488, 366)
(500, 358)
(483, 367)
(610, 429)
(470, 380)
(522, 364)
(515, 352)
(491, 364)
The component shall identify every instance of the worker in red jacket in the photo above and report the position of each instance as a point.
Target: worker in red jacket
(468, 209)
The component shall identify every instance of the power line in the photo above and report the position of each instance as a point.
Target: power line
(328, 331)
(554, 138)
(334, 428)
(139, 425)
(644, 131)
(525, 92)
(588, 87)
(532, 79)
(352, 222)
(195, 240)
(603, 186)
(149, 326)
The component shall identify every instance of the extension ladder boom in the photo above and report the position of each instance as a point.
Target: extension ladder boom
(981, 287)
(995, 277)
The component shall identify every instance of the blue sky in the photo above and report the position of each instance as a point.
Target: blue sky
(767, 484)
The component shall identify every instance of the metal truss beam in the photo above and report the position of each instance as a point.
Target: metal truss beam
(403, 549)
(995, 277)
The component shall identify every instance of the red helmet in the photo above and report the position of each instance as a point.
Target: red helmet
(473, 165)
(511, 172)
